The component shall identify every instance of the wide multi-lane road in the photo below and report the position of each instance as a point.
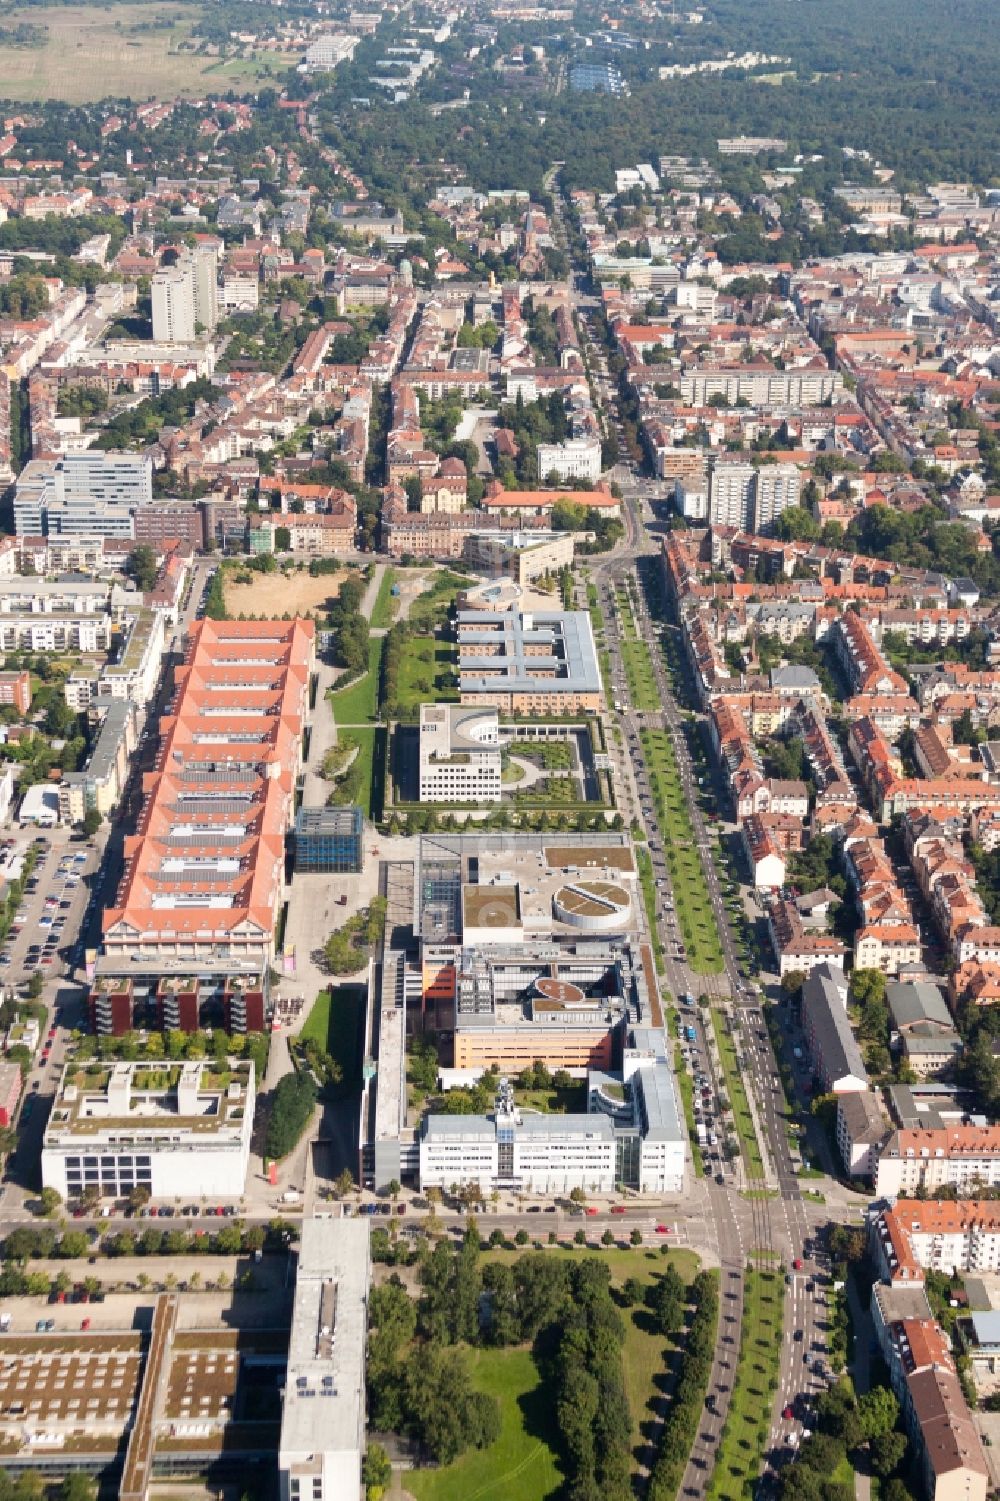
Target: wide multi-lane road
(768, 1214)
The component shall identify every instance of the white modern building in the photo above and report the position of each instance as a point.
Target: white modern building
(90, 493)
(323, 1416)
(632, 1134)
(173, 305)
(964, 1157)
(177, 1129)
(731, 493)
(185, 296)
(459, 754)
(577, 458)
(777, 487)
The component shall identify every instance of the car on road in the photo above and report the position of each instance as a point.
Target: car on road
(662, 1229)
(797, 1264)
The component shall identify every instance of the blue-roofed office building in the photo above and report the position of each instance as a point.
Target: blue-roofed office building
(542, 662)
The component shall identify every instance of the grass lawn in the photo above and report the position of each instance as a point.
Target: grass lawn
(644, 1353)
(521, 1465)
(687, 876)
(644, 865)
(357, 703)
(386, 602)
(635, 656)
(425, 675)
(744, 1437)
(738, 1099)
(359, 784)
(335, 1024)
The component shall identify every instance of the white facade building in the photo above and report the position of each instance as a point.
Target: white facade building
(577, 458)
(173, 305)
(966, 1157)
(89, 493)
(185, 297)
(633, 1136)
(777, 487)
(731, 494)
(459, 754)
(121, 1129)
(323, 1415)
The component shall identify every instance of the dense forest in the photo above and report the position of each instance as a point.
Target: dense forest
(867, 77)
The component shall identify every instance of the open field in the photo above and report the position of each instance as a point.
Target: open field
(521, 1465)
(744, 1437)
(271, 594)
(92, 52)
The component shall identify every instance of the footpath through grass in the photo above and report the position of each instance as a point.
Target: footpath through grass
(744, 1438)
(736, 1091)
(385, 604)
(687, 876)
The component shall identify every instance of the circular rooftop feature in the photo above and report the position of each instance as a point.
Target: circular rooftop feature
(594, 906)
(558, 992)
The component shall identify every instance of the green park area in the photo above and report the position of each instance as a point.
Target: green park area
(687, 877)
(736, 1091)
(331, 1036)
(644, 865)
(358, 702)
(421, 657)
(635, 655)
(384, 607)
(355, 767)
(744, 1437)
(523, 1463)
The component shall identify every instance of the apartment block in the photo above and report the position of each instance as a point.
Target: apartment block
(963, 1157)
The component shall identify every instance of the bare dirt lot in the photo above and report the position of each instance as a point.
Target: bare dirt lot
(271, 594)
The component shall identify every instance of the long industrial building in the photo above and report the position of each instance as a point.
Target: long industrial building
(323, 1420)
(204, 871)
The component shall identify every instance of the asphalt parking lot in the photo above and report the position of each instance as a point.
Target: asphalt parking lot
(48, 921)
